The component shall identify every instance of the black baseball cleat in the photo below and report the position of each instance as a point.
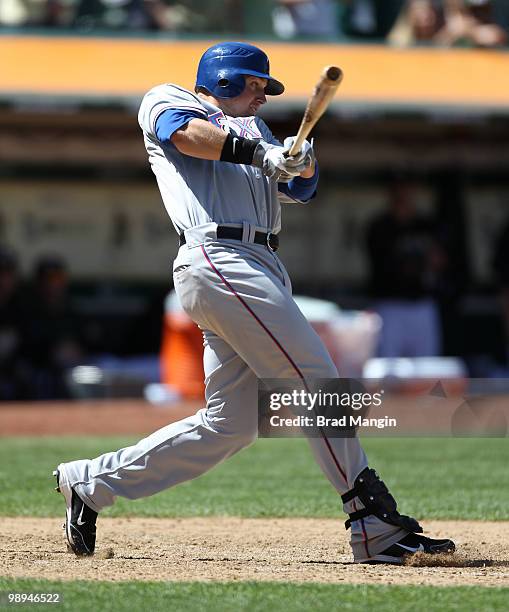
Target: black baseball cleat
(79, 518)
(411, 544)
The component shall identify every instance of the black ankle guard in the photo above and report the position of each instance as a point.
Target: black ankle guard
(377, 501)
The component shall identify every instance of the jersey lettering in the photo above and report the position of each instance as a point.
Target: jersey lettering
(219, 120)
(247, 127)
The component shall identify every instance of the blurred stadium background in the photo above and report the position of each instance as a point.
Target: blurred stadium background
(420, 125)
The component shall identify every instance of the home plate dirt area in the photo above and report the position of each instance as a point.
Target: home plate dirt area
(227, 549)
(218, 548)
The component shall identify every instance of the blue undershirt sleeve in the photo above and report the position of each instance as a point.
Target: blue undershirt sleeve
(173, 119)
(301, 189)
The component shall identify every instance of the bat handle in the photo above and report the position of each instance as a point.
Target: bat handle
(297, 144)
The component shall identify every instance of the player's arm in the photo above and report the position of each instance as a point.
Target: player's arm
(176, 119)
(301, 189)
(199, 138)
(305, 159)
(193, 135)
(190, 132)
(309, 172)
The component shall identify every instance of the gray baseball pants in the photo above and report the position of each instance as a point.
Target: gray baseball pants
(240, 295)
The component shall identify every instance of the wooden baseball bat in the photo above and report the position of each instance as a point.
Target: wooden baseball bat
(324, 91)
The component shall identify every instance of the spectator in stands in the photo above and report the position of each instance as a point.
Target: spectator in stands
(448, 23)
(122, 15)
(104, 14)
(11, 321)
(470, 23)
(370, 18)
(405, 260)
(419, 22)
(16, 13)
(306, 18)
(52, 329)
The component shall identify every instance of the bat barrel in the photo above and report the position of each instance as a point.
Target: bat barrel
(333, 73)
(324, 91)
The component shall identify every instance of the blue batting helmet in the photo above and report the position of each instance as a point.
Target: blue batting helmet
(222, 68)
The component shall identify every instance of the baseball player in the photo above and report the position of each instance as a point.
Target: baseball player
(222, 177)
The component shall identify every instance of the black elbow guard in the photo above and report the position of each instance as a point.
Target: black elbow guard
(238, 150)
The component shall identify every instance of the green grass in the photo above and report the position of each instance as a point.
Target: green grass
(431, 478)
(258, 596)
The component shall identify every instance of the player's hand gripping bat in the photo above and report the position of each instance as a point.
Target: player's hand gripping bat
(317, 104)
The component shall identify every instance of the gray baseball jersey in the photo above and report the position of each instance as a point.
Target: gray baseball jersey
(198, 191)
(239, 294)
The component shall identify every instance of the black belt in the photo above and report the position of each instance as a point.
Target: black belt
(235, 233)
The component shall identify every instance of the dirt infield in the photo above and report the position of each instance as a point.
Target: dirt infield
(83, 418)
(228, 549)
(216, 548)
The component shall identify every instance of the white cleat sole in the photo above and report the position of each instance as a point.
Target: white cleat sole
(65, 488)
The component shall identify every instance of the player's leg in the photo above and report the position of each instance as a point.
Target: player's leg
(182, 450)
(250, 306)
(176, 453)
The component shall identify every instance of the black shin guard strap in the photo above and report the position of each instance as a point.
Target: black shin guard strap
(377, 501)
